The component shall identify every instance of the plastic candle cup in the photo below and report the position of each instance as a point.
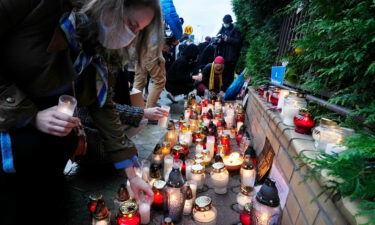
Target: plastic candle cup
(198, 175)
(204, 212)
(220, 178)
(164, 121)
(67, 104)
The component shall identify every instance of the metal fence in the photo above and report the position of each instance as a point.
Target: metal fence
(288, 33)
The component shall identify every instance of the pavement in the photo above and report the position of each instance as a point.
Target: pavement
(105, 180)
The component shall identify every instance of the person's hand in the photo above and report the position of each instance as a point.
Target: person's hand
(139, 186)
(225, 37)
(155, 113)
(56, 123)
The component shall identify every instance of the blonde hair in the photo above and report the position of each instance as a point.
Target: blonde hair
(118, 9)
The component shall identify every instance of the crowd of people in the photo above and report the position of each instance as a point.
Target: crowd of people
(96, 51)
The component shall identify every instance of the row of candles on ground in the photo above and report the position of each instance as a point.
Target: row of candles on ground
(328, 135)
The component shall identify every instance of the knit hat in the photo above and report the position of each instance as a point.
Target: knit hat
(227, 19)
(219, 60)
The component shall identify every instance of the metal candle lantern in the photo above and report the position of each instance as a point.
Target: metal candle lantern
(220, 178)
(204, 212)
(303, 122)
(128, 214)
(266, 205)
(175, 194)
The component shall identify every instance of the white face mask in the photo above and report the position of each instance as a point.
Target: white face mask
(114, 39)
(226, 25)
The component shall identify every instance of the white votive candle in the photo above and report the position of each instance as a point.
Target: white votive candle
(67, 104)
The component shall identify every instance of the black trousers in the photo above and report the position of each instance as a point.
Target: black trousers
(228, 74)
(37, 191)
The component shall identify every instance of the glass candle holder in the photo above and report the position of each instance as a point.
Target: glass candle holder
(225, 140)
(175, 195)
(168, 164)
(128, 214)
(210, 145)
(206, 157)
(266, 205)
(93, 200)
(145, 167)
(101, 215)
(282, 94)
(219, 178)
(67, 104)
(155, 173)
(321, 133)
(189, 200)
(245, 214)
(145, 208)
(199, 146)
(204, 212)
(245, 196)
(233, 161)
(188, 165)
(198, 175)
(159, 193)
(164, 120)
(171, 137)
(303, 122)
(274, 98)
(122, 196)
(248, 173)
(194, 186)
(166, 148)
(293, 102)
(177, 150)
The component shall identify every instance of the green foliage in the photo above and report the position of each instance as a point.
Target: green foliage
(339, 44)
(355, 167)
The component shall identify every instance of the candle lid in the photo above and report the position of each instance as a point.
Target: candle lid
(128, 207)
(168, 220)
(159, 184)
(247, 163)
(246, 190)
(205, 152)
(95, 196)
(198, 156)
(177, 148)
(218, 167)
(203, 203)
(197, 169)
(268, 194)
(175, 179)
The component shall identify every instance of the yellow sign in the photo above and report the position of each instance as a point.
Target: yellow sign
(188, 29)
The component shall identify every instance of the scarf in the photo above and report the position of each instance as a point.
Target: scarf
(68, 24)
(212, 78)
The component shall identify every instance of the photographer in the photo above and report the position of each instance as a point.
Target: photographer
(228, 41)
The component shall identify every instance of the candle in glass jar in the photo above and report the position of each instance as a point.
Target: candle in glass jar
(158, 189)
(292, 103)
(233, 162)
(248, 173)
(245, 196)
(128, 214)
(198, 175)
(67, 104)
(188, 164)
(193, 185)
(204, 212)
(220, 178)
(165, 148)
(171, 137)
(206, 157)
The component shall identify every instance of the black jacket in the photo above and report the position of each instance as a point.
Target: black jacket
(179, 75)
(229, 49)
